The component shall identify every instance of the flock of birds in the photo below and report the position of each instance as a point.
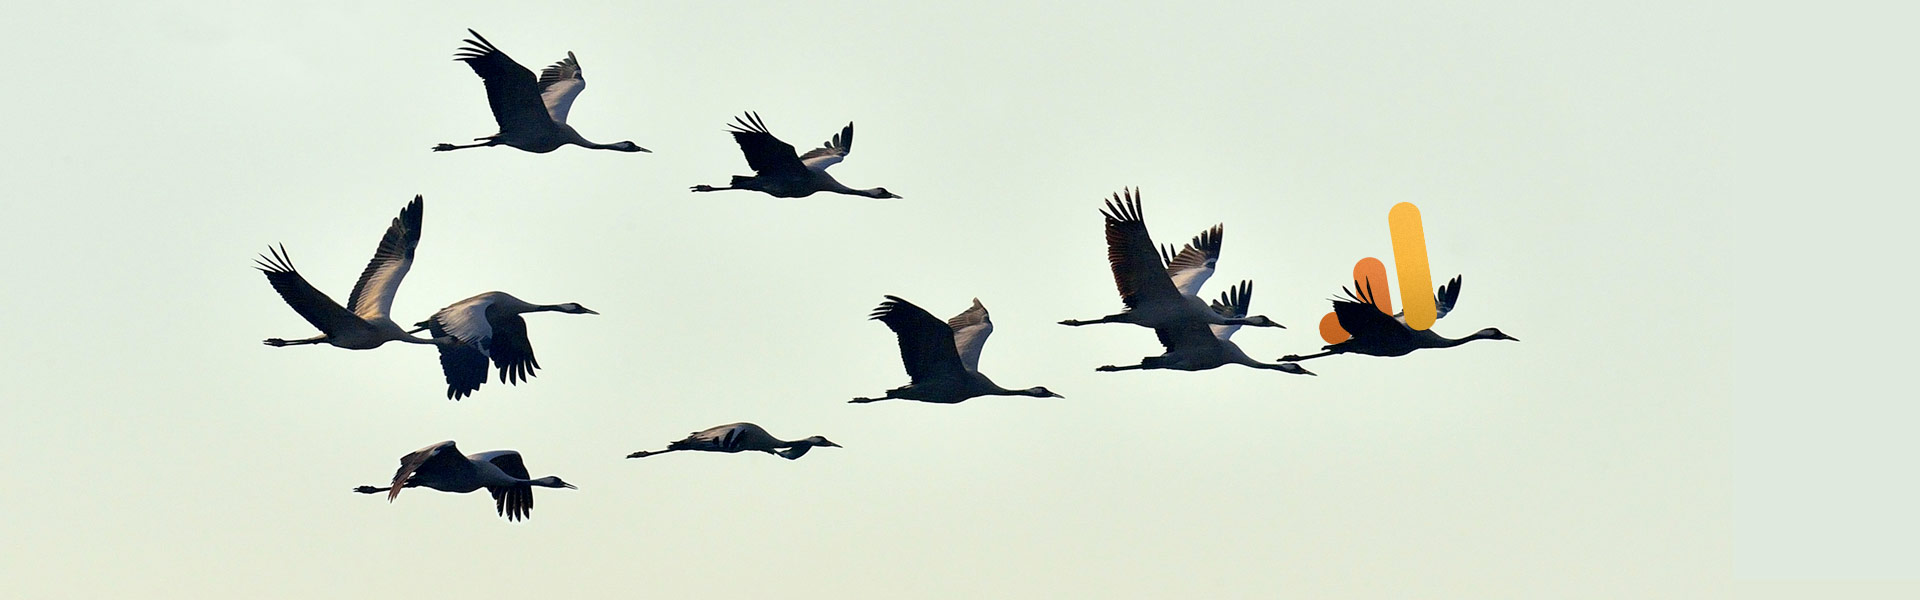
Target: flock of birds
(1159, 287)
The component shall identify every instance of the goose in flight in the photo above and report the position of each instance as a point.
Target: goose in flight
(366, 325)
(1160, 289)
(1195, 346)
(942, 359)
(441, 467)
(488, 326)
(740, 437)
(1376, 333)
(782, 174)
(532, 114)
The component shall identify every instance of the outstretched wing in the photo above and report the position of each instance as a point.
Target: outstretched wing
(325, 314)
(511, 351)
(723, 438)
(926, 343)
(1362, 319)
(1443, 300)
(515, 502)
(512, 92)
(1233, 303)
(767, 155)
(372, 297)
(1137, 271)
(970, 330)
(1194, 264)
(832, 153)
(464, 363)
(559, 84)
(442, 459)
(1447, 297)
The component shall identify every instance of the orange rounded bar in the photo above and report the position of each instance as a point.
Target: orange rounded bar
(1410, 259)
(1371, 277)
(1331, 331)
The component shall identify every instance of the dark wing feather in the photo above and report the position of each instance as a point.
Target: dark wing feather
(767, 155)
(511, 464)
(464, 364)
(509, 347)
(1187, 334)
(442, 459)
(373, 293)
(1447, 298)
(831, 153)
(512, 92)
(926, 342)
(515, 502)
(313, 305)
(1138, 272)
(1363, 320)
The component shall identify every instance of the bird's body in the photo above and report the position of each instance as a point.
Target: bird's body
(740, 437)
(531, 113)
(441, 467)
(1193, 346)
(488, 327)
(1160, 289)
(781, 173)
(1375, 333)
(364, 323)
(942, 358)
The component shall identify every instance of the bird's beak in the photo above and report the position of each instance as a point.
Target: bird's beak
(835, 445)
(1304, 371)
(589, 310)
(570, 486)
(1055, 395)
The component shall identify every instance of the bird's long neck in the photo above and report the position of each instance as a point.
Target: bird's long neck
(793, 450)
(1435, 340)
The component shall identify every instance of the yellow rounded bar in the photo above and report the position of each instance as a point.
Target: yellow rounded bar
(1410, 260)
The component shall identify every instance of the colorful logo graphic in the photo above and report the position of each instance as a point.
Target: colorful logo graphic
(1410, 260)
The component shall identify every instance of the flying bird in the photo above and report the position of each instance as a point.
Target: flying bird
(488, 326)
(1159, 289)
(441, 467)
(740, 437)
(366, 325)
(942, 358)
(532, 114)
(1194, 346)
(782, 174)
(1376, 333)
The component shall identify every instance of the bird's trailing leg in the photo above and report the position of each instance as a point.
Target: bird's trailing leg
(446, 147)
(889, 396)
(1298, 358)
(1111, 368)
(647, 453)
(1105, 319)
(277, 342)
(707, 188)
(368, 489)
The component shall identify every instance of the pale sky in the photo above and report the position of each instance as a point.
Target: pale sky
(1582, 167)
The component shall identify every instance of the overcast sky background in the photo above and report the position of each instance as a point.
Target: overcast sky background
(1588, 169)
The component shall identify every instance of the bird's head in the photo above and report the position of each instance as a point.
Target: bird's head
(883, 194)
(575, 308)
(552, 481)
(821, 441)
(1493, 333)
(1041, 392)
(1263, 321)
(625, 146)
(1294, 368)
